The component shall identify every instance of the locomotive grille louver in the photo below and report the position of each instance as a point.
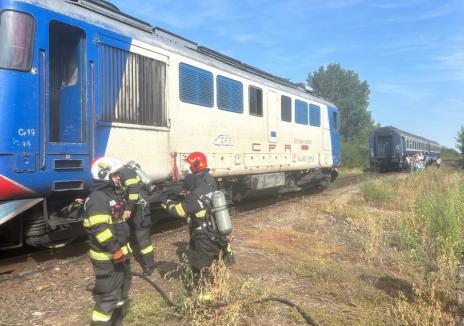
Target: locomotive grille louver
(60, 165)
(68, 185)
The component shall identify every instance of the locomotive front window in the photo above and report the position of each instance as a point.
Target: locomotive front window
(16, 37)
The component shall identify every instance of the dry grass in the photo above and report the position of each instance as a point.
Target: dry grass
(388, 256)
(345, 172)
(427, 309)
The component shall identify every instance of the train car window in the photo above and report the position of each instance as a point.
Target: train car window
(286, 108)
(196, 85)
(16, 38)
(132, 87)
(255, 96)
(229, 94)
(301, 112)
(314, 115)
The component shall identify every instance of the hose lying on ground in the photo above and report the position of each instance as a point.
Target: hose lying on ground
(170, 303)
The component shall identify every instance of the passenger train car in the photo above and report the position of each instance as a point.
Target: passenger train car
(82, 80)
(389, 147)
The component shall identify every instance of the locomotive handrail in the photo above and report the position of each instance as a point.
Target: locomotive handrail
(43, 93)
(92, 111)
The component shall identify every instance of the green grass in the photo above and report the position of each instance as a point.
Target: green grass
(148, 309)
(380, 191)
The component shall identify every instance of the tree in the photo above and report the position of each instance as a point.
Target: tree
(460, 140)
(351, 95)
(449, 153)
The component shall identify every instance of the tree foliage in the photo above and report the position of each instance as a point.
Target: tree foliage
(460, 140)
(449, 153)
(351, 95)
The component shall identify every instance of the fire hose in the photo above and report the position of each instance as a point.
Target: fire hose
(170, 303)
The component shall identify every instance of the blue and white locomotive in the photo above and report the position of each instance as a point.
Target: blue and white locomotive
(389, 147)
(81, 80)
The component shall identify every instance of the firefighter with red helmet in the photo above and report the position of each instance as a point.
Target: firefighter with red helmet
(206, 243)
(109, 249)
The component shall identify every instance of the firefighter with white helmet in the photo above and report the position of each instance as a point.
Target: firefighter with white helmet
(108, 236)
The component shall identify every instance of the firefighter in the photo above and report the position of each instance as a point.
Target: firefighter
(137, 212)
(109, 249)
(206, 243)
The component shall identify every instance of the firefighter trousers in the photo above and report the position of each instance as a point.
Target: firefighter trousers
(205, 247)
(112, 283)
(140, 240)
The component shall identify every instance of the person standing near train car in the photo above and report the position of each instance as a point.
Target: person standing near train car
(137, 213)
(206, 242)
(109, 251)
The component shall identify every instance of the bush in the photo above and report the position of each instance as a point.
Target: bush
(355, 153)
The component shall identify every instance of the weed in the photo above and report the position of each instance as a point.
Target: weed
(427, 309)
(317, 271)
(379, 191)
(147, 309)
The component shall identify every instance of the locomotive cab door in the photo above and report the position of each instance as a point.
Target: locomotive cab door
(66, 150)
(66, 88)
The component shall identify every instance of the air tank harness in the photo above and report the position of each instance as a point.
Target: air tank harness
(171, 304)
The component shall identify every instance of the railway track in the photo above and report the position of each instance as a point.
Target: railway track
(35, 261)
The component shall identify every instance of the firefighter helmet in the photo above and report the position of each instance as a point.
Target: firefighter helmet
(103, 167)
(197, 162)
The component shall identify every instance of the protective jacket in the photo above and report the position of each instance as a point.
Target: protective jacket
(105, 224)
(196, 204)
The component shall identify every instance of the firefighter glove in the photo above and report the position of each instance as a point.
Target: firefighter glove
(119, 256)
(127, 214)
(166, 203)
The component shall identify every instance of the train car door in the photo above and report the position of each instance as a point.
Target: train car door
(272, 116)
(66, 141)
(334, 123)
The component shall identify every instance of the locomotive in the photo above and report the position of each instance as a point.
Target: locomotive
(389, 147)
(82, 80)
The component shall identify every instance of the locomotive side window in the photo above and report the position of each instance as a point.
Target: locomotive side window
(195, 85)
(286, 108)
(229, 94)
(16, 38)
(133, 88)
(255, 96)
(315, 115)
(301, 112)
(335, 121)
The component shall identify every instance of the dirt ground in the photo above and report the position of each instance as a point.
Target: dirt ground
(291, 248)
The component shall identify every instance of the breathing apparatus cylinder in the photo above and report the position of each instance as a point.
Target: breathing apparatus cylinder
(221, 213)
(146, 180)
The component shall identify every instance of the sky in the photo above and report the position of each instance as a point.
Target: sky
(411, 52)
